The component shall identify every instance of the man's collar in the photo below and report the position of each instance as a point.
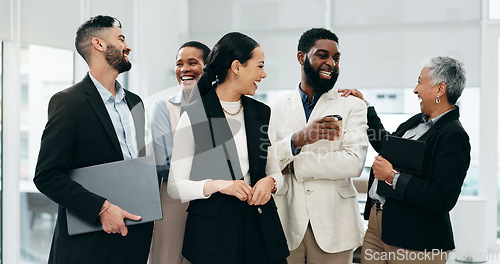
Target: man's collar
(305, 97)
(104, 93)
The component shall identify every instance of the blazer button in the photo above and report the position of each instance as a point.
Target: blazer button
(259, 210)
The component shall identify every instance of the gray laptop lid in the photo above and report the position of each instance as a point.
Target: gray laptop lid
(130, 184)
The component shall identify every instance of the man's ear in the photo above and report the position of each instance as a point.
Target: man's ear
(301, 57)
(98, 44)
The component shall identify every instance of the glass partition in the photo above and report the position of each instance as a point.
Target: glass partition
(44, 71)
(498, 137)
(1, 146)
(494, 9)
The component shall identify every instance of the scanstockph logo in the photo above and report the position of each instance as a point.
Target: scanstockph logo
(402, 254)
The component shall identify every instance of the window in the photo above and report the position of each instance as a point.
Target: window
(44, 71)
(494, 9)
(1, 146)
(498, 137)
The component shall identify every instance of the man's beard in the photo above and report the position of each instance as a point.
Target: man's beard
(115, 59)
(320, 85)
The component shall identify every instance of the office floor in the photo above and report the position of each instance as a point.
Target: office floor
(37, 228)
(37, 237)
(40, 237)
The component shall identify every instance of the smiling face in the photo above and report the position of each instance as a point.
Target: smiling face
(189, 67)
(117, 50)
(321, 65)
(426, 93)
(252, 72)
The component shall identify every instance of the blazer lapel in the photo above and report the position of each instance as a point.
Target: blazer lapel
(222, 132)
(410, 123)
(296, 109)
(97, 104)
(449, 117)
(137, 110)
(254, 134)
(324, 102)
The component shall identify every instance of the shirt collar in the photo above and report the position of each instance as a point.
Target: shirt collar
(105, 94)
(179, 98)
(425, 118)
(305, 97)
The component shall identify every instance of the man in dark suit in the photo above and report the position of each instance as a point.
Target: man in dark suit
(93, 122)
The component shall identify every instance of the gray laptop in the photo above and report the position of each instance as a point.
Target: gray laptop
(130, 184)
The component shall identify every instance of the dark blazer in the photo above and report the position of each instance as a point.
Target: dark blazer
(213, 225)
(79, 133)
(416, 213)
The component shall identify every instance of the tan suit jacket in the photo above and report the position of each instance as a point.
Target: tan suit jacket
(320, 191)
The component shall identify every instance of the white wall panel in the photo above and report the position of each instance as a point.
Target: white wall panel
(5, 20)
(368, 12)
(265, 15)
(160, 28)
(50, 23)
(383, 43)
(54, 23)
(392, 57)
(275, 24)
(210, 16)
(120, 9)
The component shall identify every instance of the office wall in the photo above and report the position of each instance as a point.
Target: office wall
(382, 42)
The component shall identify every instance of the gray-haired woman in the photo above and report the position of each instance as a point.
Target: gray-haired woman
(408, 213)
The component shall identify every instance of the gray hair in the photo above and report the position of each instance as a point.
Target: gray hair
(450, 71)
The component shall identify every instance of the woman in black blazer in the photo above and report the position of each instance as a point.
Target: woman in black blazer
(408, 213)
(220, 163)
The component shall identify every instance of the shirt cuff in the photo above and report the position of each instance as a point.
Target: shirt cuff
(295, 152)
(279, 181)
(395, 180)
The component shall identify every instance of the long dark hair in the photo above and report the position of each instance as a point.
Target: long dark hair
(232, 46)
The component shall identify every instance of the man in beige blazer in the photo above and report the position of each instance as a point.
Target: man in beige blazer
(319, 154)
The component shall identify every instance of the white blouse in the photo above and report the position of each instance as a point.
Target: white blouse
(179, 185)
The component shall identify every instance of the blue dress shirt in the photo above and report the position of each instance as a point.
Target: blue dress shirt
(161, 133)
(308, 108)
(121, 117)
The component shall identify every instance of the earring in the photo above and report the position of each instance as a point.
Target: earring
(438, 100)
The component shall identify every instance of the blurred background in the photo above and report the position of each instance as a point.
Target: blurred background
(383, 44)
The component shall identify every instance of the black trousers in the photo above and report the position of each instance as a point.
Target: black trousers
(251, 246)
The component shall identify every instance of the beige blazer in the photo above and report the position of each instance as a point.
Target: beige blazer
(320, 191)
(168, 233)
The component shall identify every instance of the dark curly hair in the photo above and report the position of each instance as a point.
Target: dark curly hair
(308, 38)
(196, 44)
